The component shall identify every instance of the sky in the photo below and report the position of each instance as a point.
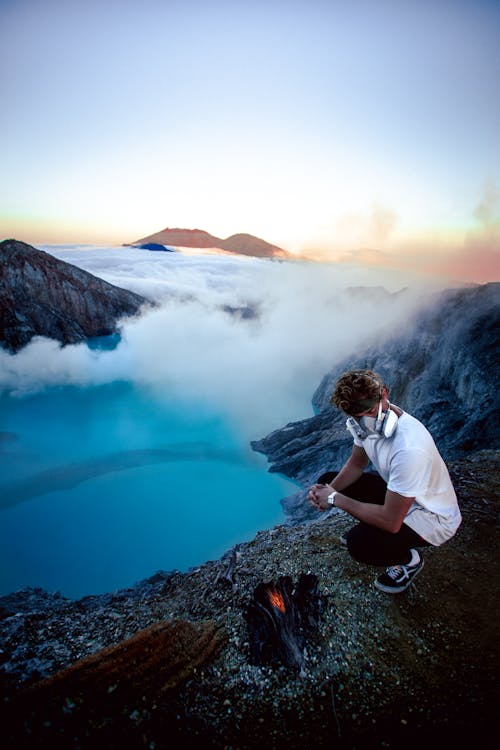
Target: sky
(364, 132)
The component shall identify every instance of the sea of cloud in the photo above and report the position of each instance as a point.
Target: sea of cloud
(199, 344)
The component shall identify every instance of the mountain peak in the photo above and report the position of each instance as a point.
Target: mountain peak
(243, 244)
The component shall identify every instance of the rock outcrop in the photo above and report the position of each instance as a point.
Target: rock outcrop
(43, 296)
(113, 682)
(440, 366)
(244, 244)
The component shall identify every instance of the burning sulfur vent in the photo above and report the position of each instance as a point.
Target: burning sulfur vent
(282, 618)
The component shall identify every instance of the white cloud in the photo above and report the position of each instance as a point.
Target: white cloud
(260, 371)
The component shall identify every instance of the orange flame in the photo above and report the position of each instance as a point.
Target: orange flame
(276, 600)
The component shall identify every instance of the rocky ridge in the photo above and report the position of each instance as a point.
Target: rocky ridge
(43, 296)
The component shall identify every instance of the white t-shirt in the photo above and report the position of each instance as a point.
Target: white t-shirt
(411, 465)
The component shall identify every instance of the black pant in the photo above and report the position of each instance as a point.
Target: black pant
(369, 544)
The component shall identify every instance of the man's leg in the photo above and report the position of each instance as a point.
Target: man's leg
(369, 488)
(373, 546)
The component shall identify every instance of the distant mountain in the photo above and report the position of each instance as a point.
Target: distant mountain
(244, 244)
(155, 246)
(43, 296)
(247, 244)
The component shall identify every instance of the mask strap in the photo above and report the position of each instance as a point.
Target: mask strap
(378, 424)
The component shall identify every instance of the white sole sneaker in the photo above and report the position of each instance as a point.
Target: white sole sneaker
(397, 578)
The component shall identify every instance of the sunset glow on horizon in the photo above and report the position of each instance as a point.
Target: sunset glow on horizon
(359, 133)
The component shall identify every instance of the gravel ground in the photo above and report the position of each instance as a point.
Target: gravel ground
(384, 671)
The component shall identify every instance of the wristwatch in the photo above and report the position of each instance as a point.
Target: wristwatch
(331, 498)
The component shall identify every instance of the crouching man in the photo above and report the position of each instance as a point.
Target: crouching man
(409, 504)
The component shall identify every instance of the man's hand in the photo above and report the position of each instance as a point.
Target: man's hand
(318, 495)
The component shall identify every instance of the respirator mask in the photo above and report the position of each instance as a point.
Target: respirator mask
(383, 425)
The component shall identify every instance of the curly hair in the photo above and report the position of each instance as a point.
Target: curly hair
(357, 390)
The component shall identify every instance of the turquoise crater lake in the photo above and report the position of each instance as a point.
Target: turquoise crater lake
(105, 485)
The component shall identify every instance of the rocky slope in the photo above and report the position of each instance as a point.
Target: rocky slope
(245, 244)
(440, 366)
(385, 671)
(43, 296)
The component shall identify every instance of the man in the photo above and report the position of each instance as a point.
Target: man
(410, 505)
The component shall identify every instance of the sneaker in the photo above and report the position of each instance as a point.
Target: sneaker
(397, 578)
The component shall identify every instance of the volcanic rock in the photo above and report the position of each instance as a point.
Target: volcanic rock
(79, 700)
(283, 618)
(43, 296)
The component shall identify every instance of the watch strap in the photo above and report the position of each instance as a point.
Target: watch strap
(331, 497)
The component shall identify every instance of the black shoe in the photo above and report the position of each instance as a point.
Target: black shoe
(397, 578)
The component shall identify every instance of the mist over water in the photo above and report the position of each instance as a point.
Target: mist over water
(119, 462)
(195, 346)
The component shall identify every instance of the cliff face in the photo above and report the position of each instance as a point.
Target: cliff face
(43, 296)
(440, 367)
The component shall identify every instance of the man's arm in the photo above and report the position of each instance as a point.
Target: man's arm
(351, 470)
(388, 517)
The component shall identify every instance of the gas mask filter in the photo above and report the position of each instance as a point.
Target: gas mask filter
(383, 425)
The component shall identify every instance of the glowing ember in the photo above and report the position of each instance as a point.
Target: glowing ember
(276, 599)
(281, 617)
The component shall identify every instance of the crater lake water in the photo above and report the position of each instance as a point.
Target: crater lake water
(102, 486)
